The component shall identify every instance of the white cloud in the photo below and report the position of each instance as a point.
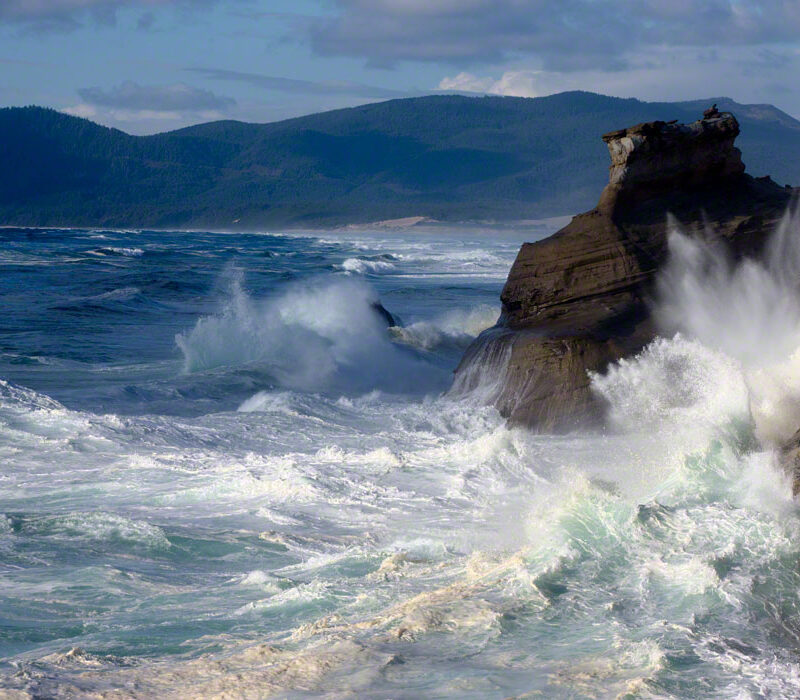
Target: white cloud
(519, 83)
(81, 110)
(88, 111)
(514, 83)
(466, 82)
(147, 108)
(139, 115)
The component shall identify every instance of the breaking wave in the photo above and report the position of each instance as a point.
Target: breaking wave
(363, 266)
(454, 329)
(121, 252)
(325, 335)
(748, 309)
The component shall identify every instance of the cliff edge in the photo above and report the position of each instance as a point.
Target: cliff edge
(581, 299)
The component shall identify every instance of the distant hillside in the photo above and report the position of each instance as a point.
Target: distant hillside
(451, 158)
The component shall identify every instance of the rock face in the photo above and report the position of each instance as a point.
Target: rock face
(581, 299)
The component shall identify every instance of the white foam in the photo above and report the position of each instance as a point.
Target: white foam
(22, 398)
(363, 266)
(270, 402)
(98, 526)
(677, 381)
(354, 532)
(262, 580)
(122, 251)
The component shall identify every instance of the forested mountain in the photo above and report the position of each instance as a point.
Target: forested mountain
(449, 157)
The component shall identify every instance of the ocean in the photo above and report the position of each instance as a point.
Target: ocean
(227, 472)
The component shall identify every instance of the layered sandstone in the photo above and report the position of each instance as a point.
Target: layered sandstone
(581, 299)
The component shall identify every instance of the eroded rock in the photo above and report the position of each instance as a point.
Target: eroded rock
(656, 158)
(581, 299)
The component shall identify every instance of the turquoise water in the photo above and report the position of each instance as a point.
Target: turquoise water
(224, 475)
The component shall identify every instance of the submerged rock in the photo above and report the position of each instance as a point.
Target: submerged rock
(581, 299)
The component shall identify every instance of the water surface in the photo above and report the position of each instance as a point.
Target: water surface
(223, 473)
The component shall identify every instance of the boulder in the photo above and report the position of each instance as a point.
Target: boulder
(581, 299)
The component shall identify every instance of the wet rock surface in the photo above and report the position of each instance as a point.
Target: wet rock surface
(582, 298)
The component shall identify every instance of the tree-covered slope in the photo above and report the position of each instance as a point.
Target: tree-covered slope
(448, 157)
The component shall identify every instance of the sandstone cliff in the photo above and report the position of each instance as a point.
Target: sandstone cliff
(581, 299)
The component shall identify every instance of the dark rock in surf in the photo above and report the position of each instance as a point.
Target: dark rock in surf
(384, 314)
(579, 300)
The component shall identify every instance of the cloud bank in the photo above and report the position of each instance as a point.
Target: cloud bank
(571, 35)
(167, 105)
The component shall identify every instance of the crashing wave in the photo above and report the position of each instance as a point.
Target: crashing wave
(325, 335)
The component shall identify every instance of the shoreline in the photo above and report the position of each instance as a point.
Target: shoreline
(420, 225)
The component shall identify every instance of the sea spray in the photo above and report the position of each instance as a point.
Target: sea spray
(730, 374)
(749, 310)
(320, 335)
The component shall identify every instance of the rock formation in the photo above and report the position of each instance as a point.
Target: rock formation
(581, 299)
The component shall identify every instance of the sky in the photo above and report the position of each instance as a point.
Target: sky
(152, 65)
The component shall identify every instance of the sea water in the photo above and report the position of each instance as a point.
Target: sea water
(225, 473)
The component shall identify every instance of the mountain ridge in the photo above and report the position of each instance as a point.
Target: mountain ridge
(446, 157)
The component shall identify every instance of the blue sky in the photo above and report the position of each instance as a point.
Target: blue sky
(151, 65)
